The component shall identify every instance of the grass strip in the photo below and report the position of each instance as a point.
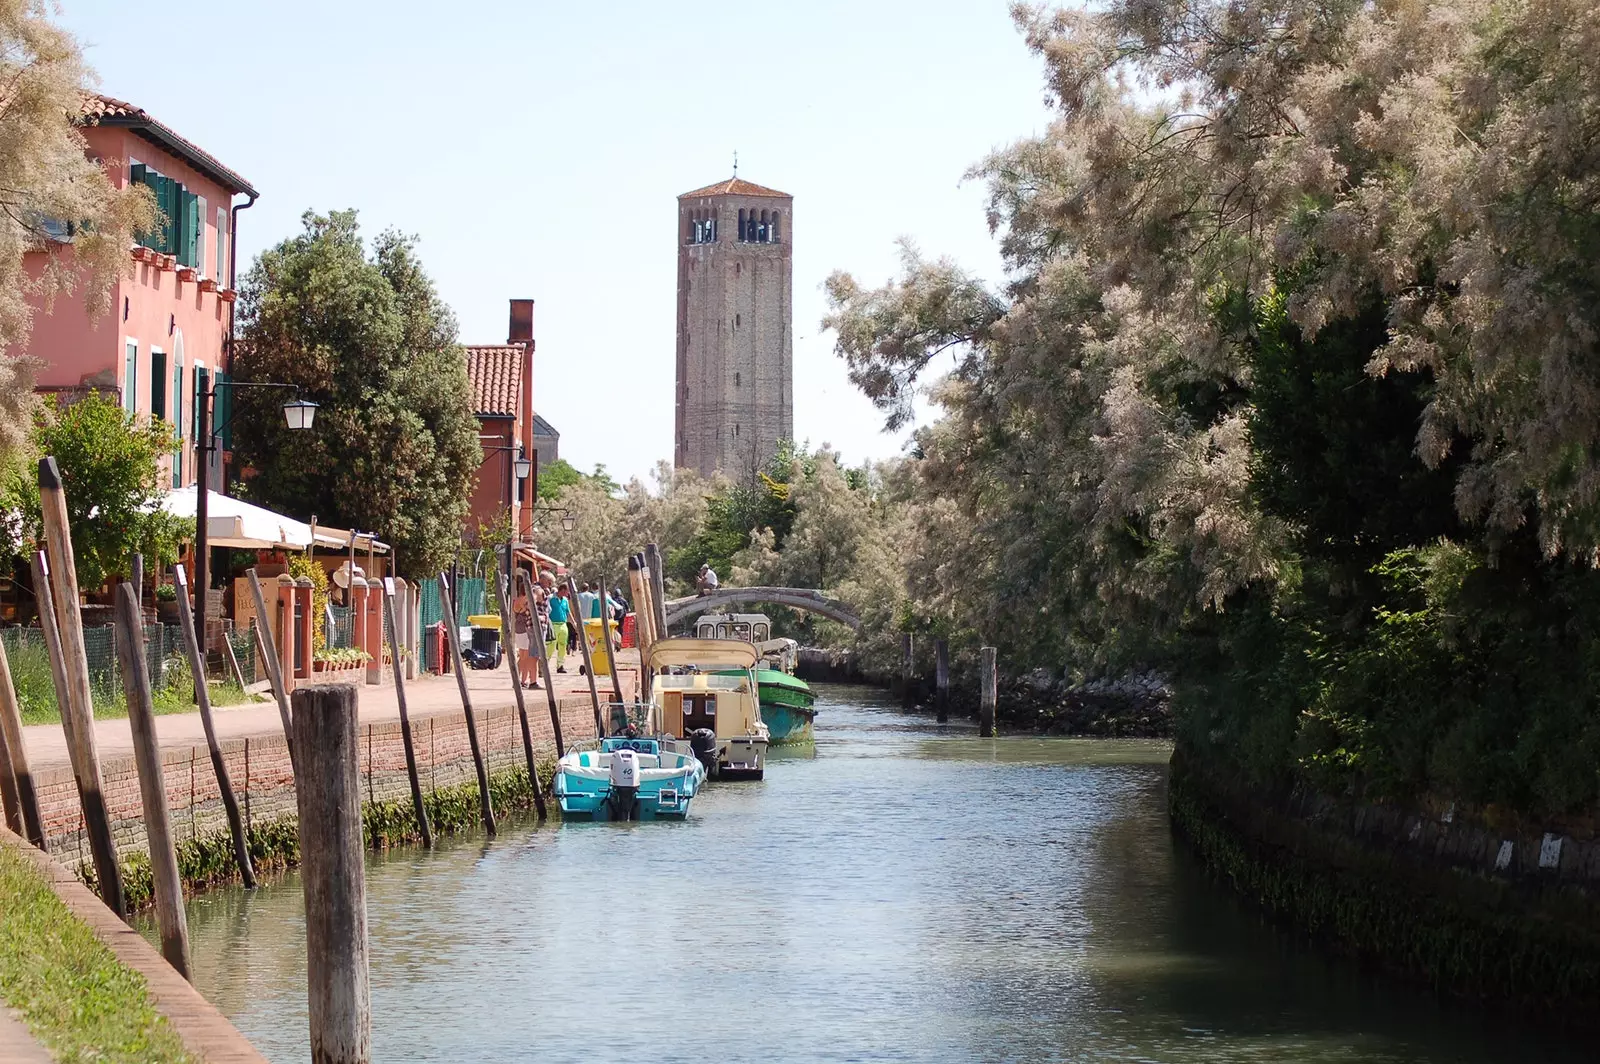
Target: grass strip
(79, 1001)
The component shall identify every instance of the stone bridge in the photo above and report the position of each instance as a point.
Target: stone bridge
(798, 598)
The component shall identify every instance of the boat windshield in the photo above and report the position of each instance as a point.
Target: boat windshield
(699, 681)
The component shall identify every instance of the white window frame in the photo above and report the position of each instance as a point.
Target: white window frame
(222, 247)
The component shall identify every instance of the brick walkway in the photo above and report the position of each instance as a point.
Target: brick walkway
(425, 697)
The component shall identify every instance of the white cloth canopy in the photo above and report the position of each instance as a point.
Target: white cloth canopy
(236, 523)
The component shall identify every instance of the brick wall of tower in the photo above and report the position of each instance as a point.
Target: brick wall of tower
(735, 352)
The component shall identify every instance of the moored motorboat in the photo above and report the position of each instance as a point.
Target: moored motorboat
(706, 689)
(629, 779)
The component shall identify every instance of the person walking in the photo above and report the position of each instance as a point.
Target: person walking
(527, 662)
(560, 614)
(586, 600)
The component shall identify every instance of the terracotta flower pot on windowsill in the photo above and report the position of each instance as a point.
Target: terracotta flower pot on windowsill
(227, 295)
(186, 273)
(208, 285)
(143, 254)
(168, 262)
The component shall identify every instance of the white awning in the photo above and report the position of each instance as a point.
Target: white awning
(236, 523)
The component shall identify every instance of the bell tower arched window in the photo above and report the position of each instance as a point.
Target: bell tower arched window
(774, 227)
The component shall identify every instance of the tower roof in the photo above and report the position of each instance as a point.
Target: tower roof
(735, 186)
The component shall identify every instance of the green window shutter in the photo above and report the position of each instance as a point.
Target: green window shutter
(225, 400)
(163, 189)
(190, 245)
(158, 384)
(199, 398)
(136, 176)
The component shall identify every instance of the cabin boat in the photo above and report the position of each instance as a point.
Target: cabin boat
(787, 702)
(629, 778)
(707, 688)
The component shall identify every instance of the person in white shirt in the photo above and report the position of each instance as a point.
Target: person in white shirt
(707, 581)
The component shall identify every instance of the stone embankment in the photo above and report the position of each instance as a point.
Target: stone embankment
(1480, 909)
(1135, 705)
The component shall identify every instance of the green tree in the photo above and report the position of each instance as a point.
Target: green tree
(46, 178)
(394, 448)
(110, 463)
(555, 476)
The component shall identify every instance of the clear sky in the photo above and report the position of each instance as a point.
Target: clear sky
(537, 150)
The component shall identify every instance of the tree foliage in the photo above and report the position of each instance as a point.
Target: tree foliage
(110, 464)
(394, 447)
(1292, 385)
(47, 178)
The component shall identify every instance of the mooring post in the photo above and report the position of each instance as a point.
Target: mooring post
(575, 615)
(639, 584)
(453, 638)
(658, 595)
(202, 697)
(508, 633)
(941, 679)
(907, 660)
(611, 651)
(56, 591)
(987, 695)
(267, 654)
(542, 653)
(332, 873)
(16, 755)
(417, 806)
(170, 917)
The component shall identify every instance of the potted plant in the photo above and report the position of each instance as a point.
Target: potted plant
(167, 604)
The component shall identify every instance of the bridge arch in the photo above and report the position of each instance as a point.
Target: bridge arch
(798, 598)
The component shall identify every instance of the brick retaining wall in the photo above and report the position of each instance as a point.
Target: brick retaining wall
(259, 769)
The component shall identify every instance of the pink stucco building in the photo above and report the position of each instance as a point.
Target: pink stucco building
(165, 334)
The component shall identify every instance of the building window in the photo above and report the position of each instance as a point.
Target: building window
(158, 383)
(130, 376)
(774, 227)
(738, 320)
(737, 378)
(742, 237)
(177, 233)
(177, 415)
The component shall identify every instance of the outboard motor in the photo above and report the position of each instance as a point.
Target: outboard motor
(624, 784)
(703, 741)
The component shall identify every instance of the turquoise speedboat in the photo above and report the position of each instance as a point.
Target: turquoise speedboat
(629, 779)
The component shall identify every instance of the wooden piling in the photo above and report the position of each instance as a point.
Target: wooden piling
(508, 630)
(658, 594)
(136, 576)
(986, 693)
(333, 874)
(907, 670)
(10, 802)
(202, 697)
(544, 667)
(575, 613)
(170, 916)
(941, 679)
(642, 627)
(233, 662)
(76, 699)
(267, 654)
(611, 651)
(28, 822)
(453, 638)
(417, 806)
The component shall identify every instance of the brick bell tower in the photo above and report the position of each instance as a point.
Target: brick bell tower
(735, 393)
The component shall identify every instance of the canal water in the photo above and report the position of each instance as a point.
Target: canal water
(907, 893)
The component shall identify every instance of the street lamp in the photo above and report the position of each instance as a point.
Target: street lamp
(522, 465)
(297, 414)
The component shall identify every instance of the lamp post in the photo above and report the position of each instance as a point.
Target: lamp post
(298, 414)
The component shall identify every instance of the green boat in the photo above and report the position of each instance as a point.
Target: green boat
(786, 706)
(786, 700)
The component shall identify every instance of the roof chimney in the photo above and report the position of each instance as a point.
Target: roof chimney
(521, 321)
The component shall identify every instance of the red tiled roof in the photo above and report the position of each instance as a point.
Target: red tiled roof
(735, 186)
(108, 111)
(496, 374)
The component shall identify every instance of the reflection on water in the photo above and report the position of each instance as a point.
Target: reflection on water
(906, 892)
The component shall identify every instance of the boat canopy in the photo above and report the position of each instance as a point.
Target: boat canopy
(705, 653)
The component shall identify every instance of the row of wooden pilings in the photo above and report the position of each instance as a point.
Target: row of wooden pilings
(988, 681)
(320, 727)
